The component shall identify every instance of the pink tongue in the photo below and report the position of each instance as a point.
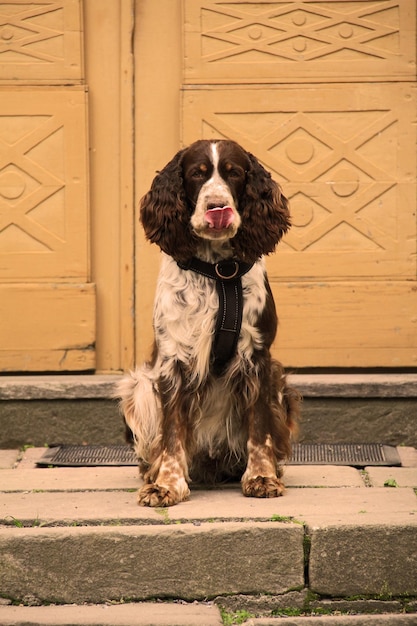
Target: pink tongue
(220, 217)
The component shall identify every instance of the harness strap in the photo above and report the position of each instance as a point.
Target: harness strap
(228, 276)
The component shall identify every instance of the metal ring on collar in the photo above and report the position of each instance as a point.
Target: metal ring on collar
(220, 275)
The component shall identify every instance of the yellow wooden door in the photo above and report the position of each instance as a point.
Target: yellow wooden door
(47, 299)
(324, 94)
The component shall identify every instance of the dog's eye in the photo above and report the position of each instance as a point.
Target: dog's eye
(235, 173)
(198, 173)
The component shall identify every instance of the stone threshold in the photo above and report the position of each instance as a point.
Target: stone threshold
(102, 386)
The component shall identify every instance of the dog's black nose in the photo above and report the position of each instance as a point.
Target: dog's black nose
(215, 205)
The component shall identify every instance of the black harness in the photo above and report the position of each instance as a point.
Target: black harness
(228, 276)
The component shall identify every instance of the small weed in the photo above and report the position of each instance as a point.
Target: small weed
(163, 511)
(286, 519)
(14, 521)
(390, 482)
(235, 617)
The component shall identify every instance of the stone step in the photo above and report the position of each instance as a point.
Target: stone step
(337, 408)
(171, 614)
(128, 614)
(76, 535)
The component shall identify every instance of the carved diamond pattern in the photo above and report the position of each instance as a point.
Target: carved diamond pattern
(43, 184)
(40, 40)
(336, 167)
(24, 185)
(299, 30)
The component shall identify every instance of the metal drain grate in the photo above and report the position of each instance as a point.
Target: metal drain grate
(356, 455)
(88, 456)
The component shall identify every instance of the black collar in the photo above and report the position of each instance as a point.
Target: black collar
(228, 276)
(223, 270)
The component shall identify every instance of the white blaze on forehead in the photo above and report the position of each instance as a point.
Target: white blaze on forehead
(215, 193)
(215, 157)
(215, 190)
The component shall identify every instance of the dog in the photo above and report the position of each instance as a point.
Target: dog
(211, 404)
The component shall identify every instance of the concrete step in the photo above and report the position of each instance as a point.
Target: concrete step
(74, 409)
(170, 614)
(129, 614)
(337, 541)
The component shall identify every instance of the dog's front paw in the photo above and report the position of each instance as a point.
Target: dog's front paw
(158, 495)
(262, 487)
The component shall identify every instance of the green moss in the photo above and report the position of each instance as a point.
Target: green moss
(287, 612)
(235, 617)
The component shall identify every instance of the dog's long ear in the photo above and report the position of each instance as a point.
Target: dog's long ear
(265, 214)
(164, 213)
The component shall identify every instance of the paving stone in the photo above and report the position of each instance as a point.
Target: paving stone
(98, 478)
(322, 476)
(70, 479)
(355, 607)
(8, 458)
(408, 456)
(63, 565)
(392, 476)
(365, 560)
(130, 614)
(314, 507)
(263, 604)
(337, 620)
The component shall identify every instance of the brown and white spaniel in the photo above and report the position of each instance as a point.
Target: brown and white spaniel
(211, 404)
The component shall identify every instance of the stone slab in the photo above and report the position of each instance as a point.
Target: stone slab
(98, 564)
(356, 385)
(322, 476)
(338, 408)
(392, 476)
(71, 479)
(27, 478)
(366, 560)
(103, 386)
(318, 508)
(52, 387)
(129, 614)
(336, 620)
(40, 422)
(408, 456)
(386, 420)
(8, 458)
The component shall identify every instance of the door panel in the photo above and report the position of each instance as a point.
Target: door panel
(47, 327)
(47, 299)
(44, 223)
(347, 324)
(323, 93)
(344, 157)
(41, 42)
(261, 41)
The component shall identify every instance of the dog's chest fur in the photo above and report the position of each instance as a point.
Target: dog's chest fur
(186, 306)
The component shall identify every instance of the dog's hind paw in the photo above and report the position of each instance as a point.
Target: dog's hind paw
(262, 487)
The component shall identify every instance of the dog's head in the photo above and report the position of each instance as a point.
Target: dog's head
(217, 192)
